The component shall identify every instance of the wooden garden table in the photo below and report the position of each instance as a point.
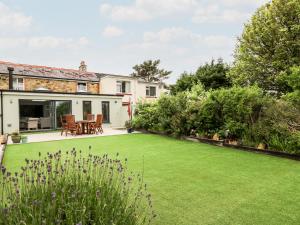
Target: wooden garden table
(85, 126)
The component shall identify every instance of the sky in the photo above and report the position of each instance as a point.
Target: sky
(113, 36)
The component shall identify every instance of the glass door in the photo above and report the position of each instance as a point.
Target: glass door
(86, 108)
(62, 108)
(105, 112)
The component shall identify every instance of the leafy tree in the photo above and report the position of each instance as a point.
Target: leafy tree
(269, 45)
(293, 80)
(213, 75)
(149, 71)
(184, 83)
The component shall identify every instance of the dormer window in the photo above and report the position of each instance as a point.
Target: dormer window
(18, 83)
(81, 87)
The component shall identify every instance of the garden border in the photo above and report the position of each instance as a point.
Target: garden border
(221, 143)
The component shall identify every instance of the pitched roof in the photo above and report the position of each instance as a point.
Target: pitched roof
(48, 72)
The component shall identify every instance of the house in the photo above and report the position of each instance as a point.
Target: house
(133, 89)
(34, 97)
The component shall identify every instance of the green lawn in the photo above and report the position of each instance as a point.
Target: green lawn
(195, 183)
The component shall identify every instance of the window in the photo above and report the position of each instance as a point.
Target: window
(18, 83)
(105, 112)
(81, 87)
(86, 108)
(123, 86)
(150, 91)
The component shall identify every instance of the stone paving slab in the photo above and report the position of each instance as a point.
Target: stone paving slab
(55, 136)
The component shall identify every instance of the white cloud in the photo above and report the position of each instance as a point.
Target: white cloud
(13, 20)
(112, 31)
(43, 42)
(181, 41)
(225, 11)
(214, 14)
(142, 10)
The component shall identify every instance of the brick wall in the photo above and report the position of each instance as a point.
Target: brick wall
(4, 82)
(93, 88)
(32, 84)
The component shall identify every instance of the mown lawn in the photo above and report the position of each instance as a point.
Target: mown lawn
(195, 183)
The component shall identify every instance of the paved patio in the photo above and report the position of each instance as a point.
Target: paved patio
(55, 136)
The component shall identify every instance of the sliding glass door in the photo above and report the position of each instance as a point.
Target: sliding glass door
(105, 112)
(61, 108)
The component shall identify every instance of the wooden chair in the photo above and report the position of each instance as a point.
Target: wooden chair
(97, 126)
(64, 125)
(72, 126)
(90, 117)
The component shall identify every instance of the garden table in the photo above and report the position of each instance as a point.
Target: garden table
(85, 126)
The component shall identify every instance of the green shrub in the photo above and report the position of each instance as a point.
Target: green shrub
(233, 109)
(72, 189)
(278, 126)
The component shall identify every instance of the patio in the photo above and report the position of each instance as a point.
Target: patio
(56, 136)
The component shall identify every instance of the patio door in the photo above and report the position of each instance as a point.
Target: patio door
(105, 112)
(61, 108)
(86, 108)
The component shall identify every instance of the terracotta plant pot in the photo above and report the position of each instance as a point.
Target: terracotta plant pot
(216, 137)
(261, 146)
(233, 142)
(16, 139)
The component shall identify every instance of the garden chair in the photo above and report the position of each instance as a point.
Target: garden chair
(64, 125)
(72, 126)
(90, 117)
(96, 127)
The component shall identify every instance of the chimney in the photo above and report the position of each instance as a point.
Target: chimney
(82, 67)
(10, 77)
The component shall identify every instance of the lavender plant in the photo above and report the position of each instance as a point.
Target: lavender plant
(66, 188)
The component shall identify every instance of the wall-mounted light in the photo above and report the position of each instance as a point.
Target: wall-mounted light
(77, 102)
(11, 101)
(116, 102)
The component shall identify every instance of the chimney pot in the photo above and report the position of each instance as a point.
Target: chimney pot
(82, 67)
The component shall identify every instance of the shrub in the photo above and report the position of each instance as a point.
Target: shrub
(233, 109)
(146, 116)
(72, 189)
(278, 127)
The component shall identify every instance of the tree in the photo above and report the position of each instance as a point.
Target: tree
(184, 83)
(213, 75)
(293, 80)
(149, 71)
(268, 46)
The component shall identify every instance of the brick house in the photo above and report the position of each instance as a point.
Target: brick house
(34, 97)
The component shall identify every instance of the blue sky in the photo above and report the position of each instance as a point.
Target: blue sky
(113, 36)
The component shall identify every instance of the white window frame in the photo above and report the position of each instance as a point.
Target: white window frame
(78, 85)
(148, 89)
(16, 85)
(119, 86)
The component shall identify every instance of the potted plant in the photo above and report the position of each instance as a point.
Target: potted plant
(24, 139)
(128, 125)
(16, 137)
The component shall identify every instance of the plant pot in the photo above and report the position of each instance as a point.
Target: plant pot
(24, 139)
(233, 142)
(129, 130)
(216, 137)
(16, 139)
(261, 146)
